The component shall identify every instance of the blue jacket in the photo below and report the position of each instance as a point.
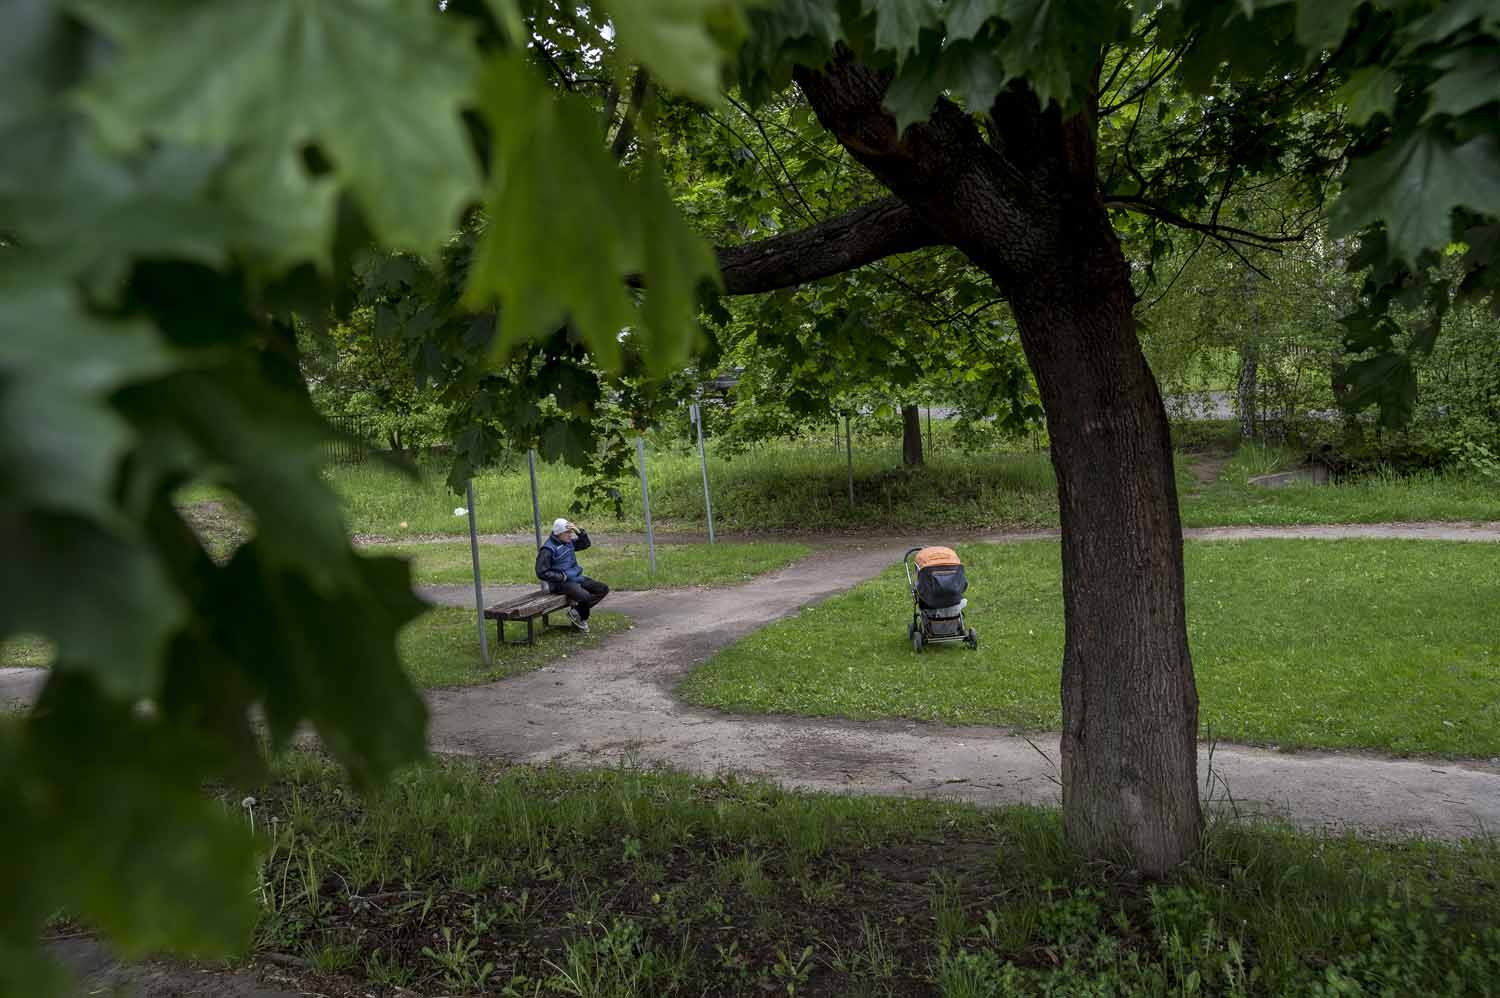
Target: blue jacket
(558, 562)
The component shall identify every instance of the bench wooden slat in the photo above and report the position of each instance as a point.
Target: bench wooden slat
(526, 606)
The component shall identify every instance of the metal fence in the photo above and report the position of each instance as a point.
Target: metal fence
(350, 443)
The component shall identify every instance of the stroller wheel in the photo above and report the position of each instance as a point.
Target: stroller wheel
(916, 640)
(972, 640)
(911, 629)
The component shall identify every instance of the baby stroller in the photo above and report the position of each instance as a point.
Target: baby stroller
(937, 598)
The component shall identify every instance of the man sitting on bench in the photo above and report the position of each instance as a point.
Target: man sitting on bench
(557, 565)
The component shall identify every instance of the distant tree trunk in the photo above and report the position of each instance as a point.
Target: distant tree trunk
(1024, 205)
(911, 435)
(398, 445)
(1245, 389)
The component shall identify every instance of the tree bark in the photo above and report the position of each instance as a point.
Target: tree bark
(862, 235)
(1246, 385)
(911, 436)
(1025, 207)
(1246, 388)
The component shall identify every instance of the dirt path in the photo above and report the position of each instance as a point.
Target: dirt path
(615, 703)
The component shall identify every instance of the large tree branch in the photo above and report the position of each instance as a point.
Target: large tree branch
(863, 235)
(992, 199)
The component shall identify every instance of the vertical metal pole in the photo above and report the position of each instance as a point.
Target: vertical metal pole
(536, 508)
(849, 453)
(708, 503)
(640, 453)
(484, 641)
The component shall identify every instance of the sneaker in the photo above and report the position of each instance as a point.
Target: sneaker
(578, 621)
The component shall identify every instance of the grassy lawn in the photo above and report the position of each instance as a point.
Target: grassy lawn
(623, 567)
(781, 486)
(791, 484)
(441, 648)
(1231, 501)
(462, 878)
(26, 652)
(786, 486)
(1387, 645)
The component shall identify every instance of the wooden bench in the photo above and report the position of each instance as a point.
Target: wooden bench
(526, 608)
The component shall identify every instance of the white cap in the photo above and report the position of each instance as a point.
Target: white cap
(561, 525)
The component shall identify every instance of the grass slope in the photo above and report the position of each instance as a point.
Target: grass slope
(441, 647)
(801, 485)
(463, 879)
(1232, 501)
(624, 566)
(789, 486)
(1387, 645)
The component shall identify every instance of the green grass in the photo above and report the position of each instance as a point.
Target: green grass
(1387, 645)
(1376, 499)
(624, 566)
(25, 651)
(800, 485)
(441, 648)
(782, 486)
(463, 878)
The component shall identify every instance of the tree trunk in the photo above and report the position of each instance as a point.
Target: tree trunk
(1024, 205)
(1130, 707)
(1245, 389)
(911, 436)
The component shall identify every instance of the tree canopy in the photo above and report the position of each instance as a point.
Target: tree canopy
(179, 180)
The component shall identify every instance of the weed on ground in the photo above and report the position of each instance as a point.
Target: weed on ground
(463, 879)
(1386, 645)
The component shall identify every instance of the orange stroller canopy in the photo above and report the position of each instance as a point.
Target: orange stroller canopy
(927, 557)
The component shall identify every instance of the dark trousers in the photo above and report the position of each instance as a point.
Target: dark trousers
(585, 592)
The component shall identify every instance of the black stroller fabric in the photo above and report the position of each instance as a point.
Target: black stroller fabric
(940, 586)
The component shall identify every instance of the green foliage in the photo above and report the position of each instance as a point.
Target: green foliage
(551, 175)
(173, 182)
(299, 78)
(363, 371)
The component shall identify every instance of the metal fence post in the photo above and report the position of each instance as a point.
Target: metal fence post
(536, 507)
(640, 453)
(696, 414)
(484, 641)
(849, 454)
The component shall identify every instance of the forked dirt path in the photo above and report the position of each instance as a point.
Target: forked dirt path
(615, 703)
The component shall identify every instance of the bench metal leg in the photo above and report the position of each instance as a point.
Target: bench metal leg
(530, 631)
